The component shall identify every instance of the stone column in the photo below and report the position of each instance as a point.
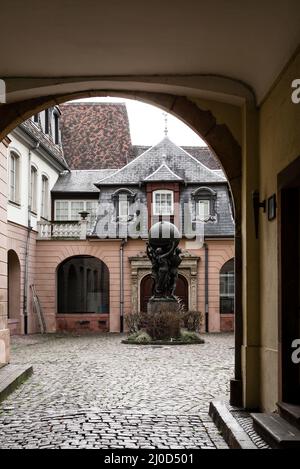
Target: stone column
(4, 332)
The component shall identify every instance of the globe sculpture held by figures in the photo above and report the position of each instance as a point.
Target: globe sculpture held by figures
(163, 251)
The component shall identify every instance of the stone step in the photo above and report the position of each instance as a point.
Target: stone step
(279, 433)
(12, 376)
(290, 412)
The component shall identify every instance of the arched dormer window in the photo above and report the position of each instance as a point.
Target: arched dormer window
(123, 198)
(56, 128)
(204, 204)
(14, 177)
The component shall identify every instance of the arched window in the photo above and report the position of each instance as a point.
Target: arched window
(45, 198)
(14, 177)
(83, 286)
(227, 279)
(122, 200)
(205, 204)
(33, 189)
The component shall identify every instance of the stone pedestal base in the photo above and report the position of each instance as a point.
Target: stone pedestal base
(4, 346)
(162, 306)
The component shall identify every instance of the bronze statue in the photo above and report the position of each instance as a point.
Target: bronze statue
(163, 251)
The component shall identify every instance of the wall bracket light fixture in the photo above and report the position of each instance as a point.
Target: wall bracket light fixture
(256, 206)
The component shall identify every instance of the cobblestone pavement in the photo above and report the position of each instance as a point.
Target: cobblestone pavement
(94, 392)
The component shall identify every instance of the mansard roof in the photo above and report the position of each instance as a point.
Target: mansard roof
(202, 154)
(35, 132)
(80, 180)
(178, 161)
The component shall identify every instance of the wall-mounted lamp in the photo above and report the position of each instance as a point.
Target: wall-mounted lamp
(256, 206)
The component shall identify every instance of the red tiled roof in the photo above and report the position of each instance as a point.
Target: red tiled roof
(95, 135)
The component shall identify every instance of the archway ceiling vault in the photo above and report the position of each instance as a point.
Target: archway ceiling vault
(249, 42)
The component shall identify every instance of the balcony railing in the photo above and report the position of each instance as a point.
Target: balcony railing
(63, 230)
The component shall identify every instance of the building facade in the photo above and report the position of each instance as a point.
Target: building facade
(162, 183)
(75, 238)
(34, 162)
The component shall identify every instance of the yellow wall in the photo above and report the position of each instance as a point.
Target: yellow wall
(279, 146)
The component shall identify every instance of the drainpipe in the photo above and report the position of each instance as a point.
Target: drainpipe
(123, 242)
(29, 230)
(206, 289)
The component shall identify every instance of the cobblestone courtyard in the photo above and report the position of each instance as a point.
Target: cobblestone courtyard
(94, 392)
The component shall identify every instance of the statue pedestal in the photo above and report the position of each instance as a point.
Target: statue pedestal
(162, 306)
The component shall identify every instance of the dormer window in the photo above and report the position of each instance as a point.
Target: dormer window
(203, 209)
(123, 208)
(204, 204)
(163, 203)
(47, 121)
(122, 201)
(36, 119)
(56, 135)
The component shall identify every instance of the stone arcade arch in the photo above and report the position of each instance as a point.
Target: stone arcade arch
(83, 292)
(217, 136)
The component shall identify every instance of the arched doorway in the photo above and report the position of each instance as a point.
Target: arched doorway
(83, 286)
(83, 294)
(182, 291)
(14, 295)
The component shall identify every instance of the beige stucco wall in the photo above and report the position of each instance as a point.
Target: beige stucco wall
(279, 146)
(4, 334)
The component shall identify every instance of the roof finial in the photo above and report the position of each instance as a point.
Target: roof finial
(166, 123)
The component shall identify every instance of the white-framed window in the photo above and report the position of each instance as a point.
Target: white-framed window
(45, 198)
(68, 210)
(203, 211)
(33, 189)
(163, 202)
(14, 177)
(123, 208)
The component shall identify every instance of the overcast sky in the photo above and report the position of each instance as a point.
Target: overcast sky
(147, 124)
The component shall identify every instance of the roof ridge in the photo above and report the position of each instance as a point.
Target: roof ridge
(132, 161)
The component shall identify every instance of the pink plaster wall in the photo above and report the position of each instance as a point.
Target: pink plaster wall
(50, 254)
(16, 241)
(219, 252)
(4, 332)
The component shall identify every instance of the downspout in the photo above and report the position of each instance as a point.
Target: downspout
(29, 230)
(123, 242)
(206, 289)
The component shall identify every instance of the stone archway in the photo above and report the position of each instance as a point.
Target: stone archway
(82, 294)
(141, 268)
(218, 137)
(14, 292)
